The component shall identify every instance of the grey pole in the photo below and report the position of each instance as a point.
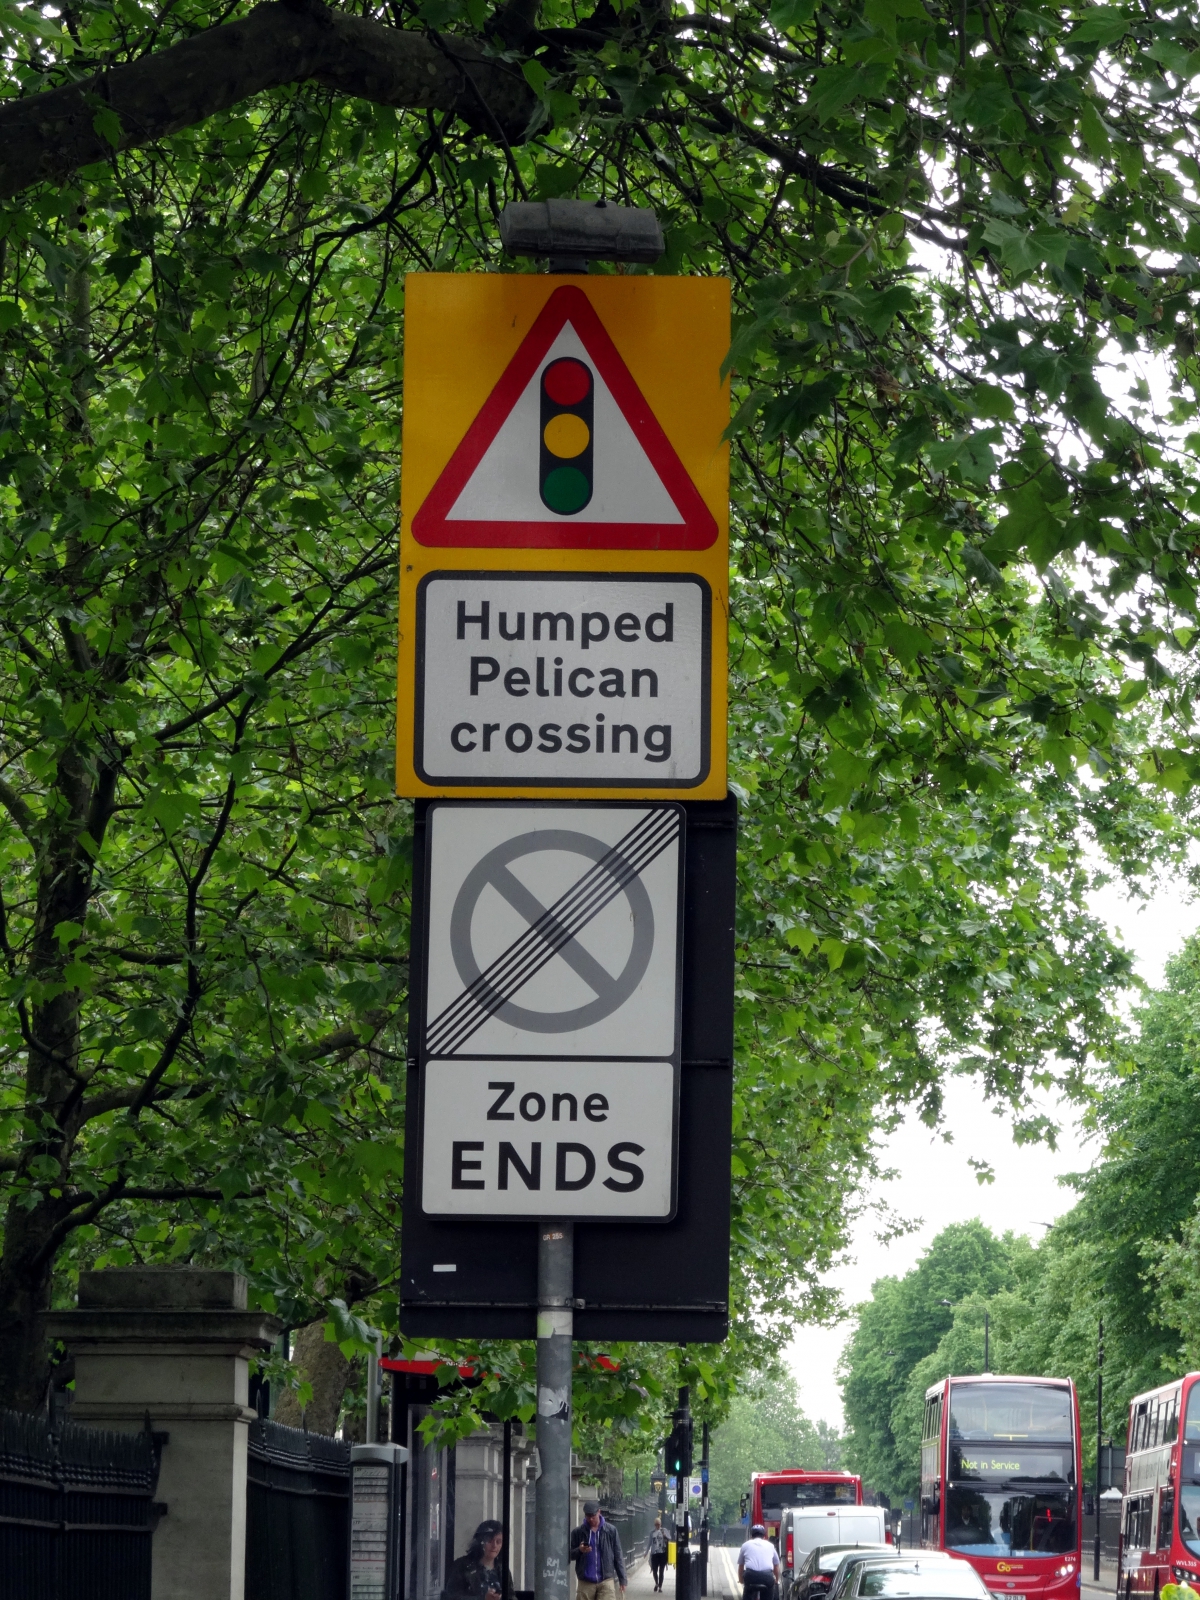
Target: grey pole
(1099, 1445)
(373, 1390)
(704, 1515)
(555, 1326)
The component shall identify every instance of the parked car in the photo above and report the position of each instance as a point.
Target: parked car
(810, 1580)
(917, 1579)
(848, 1566)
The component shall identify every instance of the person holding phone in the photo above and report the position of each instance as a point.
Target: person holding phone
(481, 1574)
(596, 1551)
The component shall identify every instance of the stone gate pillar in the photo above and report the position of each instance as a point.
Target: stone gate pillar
(173, 1344)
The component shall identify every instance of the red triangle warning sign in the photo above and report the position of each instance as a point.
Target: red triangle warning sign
(566, 454)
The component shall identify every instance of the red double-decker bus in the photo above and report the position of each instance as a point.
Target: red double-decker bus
(773, 1492)
(1000, 1481)
(1160, 1511)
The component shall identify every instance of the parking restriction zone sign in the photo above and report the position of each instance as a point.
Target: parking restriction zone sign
(564, 537)
(549, 1035)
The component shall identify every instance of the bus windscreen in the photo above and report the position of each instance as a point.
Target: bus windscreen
(1189, 1515)
(1191, 1426)
(778, 1494)
(1004, 1522)
(1016, 1411)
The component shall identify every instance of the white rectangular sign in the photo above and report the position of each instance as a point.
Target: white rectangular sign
(537, 1138)
(549, 1012)
(591, 679)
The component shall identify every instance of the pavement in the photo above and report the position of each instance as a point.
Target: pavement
(1107, 1587)
(722, 1578)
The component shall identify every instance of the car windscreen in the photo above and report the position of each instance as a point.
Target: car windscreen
(936, 1583)
(832, 1560)
(843, 1578)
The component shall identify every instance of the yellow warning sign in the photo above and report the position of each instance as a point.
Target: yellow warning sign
(564, 562)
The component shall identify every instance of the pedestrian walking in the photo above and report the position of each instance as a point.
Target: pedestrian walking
(758, 1566)
(596, 1551)
(656, 1549)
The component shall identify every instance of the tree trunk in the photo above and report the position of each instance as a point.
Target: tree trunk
(326, 1368)
(24, 1298)
(47, 136)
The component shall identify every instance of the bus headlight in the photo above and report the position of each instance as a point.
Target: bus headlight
(1065, 1571)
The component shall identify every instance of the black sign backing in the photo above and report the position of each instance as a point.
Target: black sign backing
(667, 1282)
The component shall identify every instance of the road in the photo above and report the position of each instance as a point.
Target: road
(723, 1584)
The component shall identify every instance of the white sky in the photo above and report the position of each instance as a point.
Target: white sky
(935, 1184)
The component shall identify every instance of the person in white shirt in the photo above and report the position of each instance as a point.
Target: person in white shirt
(758, 1565)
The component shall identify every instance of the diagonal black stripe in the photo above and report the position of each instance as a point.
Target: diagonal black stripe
(512, 967)
(553, 930)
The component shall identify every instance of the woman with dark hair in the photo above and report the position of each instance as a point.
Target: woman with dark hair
(481, 1574)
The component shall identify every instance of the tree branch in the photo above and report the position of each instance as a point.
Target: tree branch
(17, 809)
(47, 136)
(343, 1039)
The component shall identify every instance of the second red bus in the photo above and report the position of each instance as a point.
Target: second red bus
(1160, 1511)
(1000, 1481)
(772, 1492)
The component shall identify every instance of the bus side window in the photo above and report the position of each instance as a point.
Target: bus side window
(1166, 1514)
(1140, 1419)
(1138, 1511)
(1172, 1433)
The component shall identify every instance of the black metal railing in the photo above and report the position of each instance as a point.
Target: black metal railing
(633, 1520)
(76, 1511)
(1110, 1531)
(297, 1514)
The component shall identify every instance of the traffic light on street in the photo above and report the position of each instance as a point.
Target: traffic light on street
(679, 1448)
(565, 466)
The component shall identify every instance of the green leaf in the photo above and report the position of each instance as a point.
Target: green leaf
(791, 412)
(107, 124)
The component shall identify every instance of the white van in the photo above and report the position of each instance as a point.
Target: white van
(803, 1528)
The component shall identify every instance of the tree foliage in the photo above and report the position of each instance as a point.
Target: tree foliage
(963, 596)
(900, 1331)
(764, 1431)
(1125, 1253)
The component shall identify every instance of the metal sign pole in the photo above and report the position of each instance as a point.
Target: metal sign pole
(1099, 1445)
(683, 1555)
(704, 1515)
(555, 1324)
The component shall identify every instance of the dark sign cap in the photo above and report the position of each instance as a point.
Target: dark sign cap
(589, 230)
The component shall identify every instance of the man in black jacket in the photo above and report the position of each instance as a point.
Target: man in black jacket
(596, 1550)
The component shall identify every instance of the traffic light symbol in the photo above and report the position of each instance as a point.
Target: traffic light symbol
(565, 466)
